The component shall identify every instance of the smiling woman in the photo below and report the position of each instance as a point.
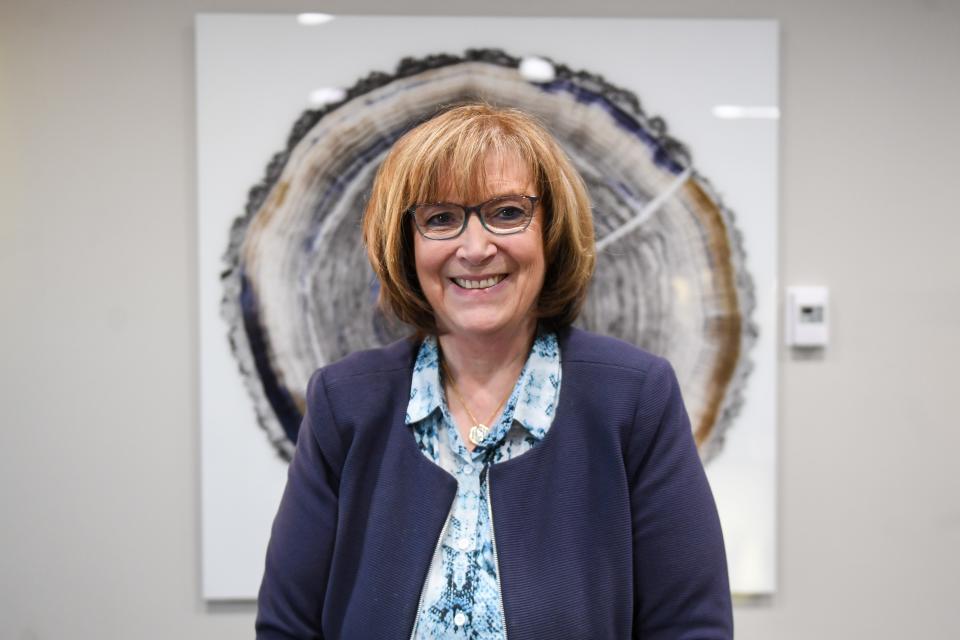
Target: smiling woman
(398, 502)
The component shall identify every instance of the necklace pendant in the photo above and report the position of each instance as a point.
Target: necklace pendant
(478, 433)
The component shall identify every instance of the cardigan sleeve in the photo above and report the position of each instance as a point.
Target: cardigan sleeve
(681, 589)
(299, 554)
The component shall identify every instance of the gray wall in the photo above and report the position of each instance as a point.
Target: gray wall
(98, 383)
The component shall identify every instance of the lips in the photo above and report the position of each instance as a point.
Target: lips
(479, 283)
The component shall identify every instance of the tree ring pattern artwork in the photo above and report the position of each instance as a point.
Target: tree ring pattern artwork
(671, 273)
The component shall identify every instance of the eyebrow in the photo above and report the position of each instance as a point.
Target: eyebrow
(502, 195)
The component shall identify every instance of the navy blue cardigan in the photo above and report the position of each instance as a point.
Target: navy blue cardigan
(606, 529)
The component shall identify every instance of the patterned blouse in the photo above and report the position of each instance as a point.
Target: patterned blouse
(461, 595)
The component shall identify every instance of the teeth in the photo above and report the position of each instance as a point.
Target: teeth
(486, 283)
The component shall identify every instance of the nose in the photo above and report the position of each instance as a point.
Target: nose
(475, 243)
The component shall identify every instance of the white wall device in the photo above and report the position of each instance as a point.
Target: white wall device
(806, 317)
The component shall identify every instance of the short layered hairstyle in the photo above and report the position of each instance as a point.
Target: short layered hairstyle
(449, 152)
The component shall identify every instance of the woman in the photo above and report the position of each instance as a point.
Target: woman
(503, 475)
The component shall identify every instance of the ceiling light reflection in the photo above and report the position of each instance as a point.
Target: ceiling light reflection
(313, 19)
(738, 112)
(326, 95)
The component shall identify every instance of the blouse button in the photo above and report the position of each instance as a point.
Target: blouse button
(467, 469)
(462, 544)
(459, 619)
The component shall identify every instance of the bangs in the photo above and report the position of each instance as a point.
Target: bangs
(459, 166)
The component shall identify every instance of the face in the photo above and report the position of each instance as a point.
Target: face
(480, 284)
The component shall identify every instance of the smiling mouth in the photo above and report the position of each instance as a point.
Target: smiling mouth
(485, 283)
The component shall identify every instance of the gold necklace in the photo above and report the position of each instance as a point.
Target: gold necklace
(479, 431)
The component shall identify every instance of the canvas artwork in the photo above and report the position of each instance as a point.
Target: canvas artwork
(294, 291)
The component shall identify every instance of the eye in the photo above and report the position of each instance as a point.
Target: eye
(440, 219)
(508, 213)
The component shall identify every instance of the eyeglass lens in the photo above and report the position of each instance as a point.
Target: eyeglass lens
(506, 214)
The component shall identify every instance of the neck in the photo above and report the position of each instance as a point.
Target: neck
(487, 361)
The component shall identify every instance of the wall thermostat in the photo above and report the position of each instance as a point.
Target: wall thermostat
(806, 317)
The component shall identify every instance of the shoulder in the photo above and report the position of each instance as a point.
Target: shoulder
(395, 358)
(603, 353)
(611, 377)
(363, 387)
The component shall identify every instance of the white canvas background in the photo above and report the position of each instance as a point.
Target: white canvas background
(254, 73)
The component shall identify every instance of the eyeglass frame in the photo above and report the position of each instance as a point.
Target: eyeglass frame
(475, 209)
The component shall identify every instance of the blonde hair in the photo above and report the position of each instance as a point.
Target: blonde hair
(450, 150)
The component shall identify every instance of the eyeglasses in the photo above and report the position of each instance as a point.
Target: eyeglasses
(502, 216)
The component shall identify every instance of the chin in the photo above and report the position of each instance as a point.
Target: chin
(475, 329)
(487, 326)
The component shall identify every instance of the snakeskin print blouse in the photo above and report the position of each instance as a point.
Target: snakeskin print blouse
(461, 594)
